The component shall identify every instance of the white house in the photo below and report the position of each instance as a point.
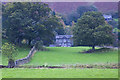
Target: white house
(64, 40)
(107, 17)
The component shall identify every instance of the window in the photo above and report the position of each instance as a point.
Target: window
(64, 40)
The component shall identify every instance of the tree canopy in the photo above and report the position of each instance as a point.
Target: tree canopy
(75, 15)
(91, 30)
(30, 21)
(82, 9)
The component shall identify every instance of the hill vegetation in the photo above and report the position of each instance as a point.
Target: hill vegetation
(66, 8)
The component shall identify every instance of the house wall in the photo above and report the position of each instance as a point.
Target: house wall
(107, 17)
(64, 41)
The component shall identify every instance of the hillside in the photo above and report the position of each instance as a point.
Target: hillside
(67, 7)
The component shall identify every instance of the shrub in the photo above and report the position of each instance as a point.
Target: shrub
(39, 46)
(10, 51)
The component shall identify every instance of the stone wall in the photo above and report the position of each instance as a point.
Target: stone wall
(26, 59)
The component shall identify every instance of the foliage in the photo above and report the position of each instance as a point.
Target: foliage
(60, 30)
(22, 52)
(91, 30)
(82, 9)
(113, 23)
(73, 16)
(29, 21)
(9, 51)
(39, 45)
(113, 13)
(116, 30)
(68, 30)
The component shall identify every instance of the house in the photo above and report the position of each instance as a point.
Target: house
(107, 17)
(52, 45)
(64, 41)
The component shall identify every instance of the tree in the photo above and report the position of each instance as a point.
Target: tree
(113, 23)
(10, 52)
(29, 21)
(91, 30)
(73, 16)
(82, 9)
(113, 13)
(20, 19)
(39, 46)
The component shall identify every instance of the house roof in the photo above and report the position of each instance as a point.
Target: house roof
(107, 16)
(64, 36)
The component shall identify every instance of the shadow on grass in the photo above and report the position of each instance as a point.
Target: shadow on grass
(101, 50)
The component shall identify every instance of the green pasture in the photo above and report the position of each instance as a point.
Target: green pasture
(59, 73)
(72, 55)
(63, 56)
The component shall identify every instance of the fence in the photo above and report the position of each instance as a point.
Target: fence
(26, 59)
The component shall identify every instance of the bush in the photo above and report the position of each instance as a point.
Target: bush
(39, 46)
(10, 51)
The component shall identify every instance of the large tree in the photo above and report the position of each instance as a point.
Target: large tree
(91, 30)
(25, 20)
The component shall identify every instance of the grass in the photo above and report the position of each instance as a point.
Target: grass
(0, 59)
(72, 55)
(60, 56)
(65, 55)
(59, 73)
(0, 74)
(116, 20)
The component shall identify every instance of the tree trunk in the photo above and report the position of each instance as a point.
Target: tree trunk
(29, 43)
(93, 48)
(11, 63)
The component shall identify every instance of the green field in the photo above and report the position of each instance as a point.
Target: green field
(72, 55)
(66, 55)
(116, 20)
(61, 56)
(60, 73)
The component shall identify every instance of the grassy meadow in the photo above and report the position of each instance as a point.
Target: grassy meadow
(66, 55)
(63, 56)
(59, 73)
(72, 55)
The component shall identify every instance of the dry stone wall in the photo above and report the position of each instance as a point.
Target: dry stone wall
(26, 59)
